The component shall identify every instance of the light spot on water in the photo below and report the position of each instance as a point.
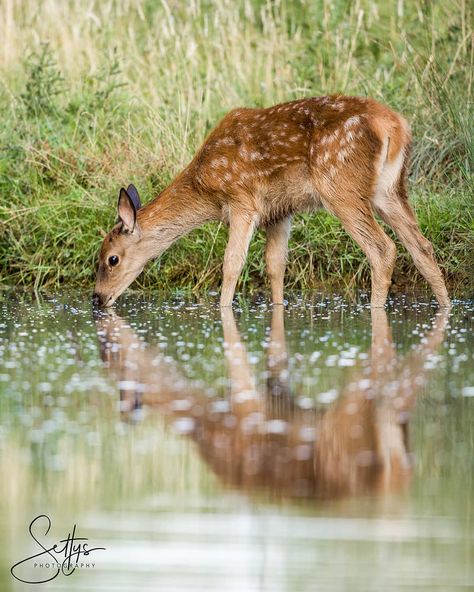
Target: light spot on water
(328, 397)
(276, 426)
(184, 425)
(220, 406)
(181, 404)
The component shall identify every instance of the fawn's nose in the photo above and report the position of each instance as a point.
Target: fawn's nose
(101, 301)
(96, 300)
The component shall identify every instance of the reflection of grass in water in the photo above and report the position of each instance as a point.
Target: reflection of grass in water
(137, 467)
(102, 466)
(65, 447)
(80, 119)
(442, 439)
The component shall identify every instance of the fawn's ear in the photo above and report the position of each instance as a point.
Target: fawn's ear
(127, 212)
(133, 193)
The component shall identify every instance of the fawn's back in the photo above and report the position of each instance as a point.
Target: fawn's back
(300, 155)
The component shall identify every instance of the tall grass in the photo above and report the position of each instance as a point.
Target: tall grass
(95, 95)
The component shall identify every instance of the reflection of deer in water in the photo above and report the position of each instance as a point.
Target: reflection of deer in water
(255, 441)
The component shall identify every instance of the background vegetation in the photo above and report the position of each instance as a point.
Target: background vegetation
(95, 95)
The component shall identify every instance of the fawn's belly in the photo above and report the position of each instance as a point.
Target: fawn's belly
(290, 193)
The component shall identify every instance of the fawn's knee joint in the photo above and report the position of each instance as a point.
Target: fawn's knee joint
(387, 254)
(275, 271)
(233, 261)
(427, 248)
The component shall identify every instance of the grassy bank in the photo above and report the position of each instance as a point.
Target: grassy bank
(97, 95)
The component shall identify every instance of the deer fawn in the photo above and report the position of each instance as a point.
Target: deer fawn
(259, 167)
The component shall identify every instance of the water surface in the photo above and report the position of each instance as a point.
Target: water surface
(320, 446)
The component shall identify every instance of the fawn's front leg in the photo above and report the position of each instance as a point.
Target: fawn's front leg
(242, 226)
(276, 252)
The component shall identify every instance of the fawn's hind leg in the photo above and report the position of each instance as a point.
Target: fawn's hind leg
(395, 210)
(358, 219)
(276, 252)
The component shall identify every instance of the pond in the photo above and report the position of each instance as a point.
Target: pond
(316, 446)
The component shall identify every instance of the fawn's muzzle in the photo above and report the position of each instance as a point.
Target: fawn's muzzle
(98, 299)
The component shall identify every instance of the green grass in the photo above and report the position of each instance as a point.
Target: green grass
(92, 99)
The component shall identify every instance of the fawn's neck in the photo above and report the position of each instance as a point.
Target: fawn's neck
(172, 214)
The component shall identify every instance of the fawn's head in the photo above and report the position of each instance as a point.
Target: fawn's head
(120, 259)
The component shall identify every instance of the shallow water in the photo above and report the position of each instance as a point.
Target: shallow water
(315, 447)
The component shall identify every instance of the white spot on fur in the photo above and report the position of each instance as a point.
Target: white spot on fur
(352, 121)
(341, 156)
(219, 161)
(243, 152)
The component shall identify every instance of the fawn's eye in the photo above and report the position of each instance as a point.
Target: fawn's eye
(113, 260)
